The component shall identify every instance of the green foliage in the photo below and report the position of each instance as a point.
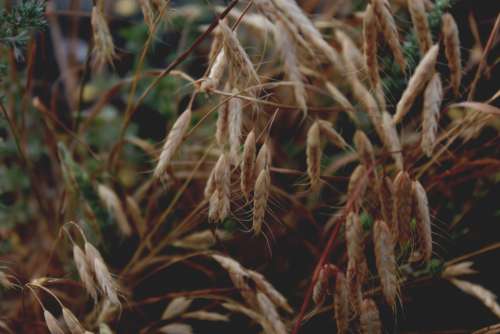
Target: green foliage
(366, 221)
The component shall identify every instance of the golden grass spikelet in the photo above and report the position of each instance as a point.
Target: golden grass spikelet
(72, 322)
(487, 297)
(105, 281)
(389, 29)
(172, 143)
(391, 140)
(364, 148)
(222, 126)
(176, 307)
(423, 73)
(247, 168)
(357, 179)
(452, 51)
(385, 260)
(210, 185)
(458, 269)
(235, 129)
(206, 316)
(326, 129)
(263, 160)
(370, 31)
(423, 219)
(103, 50)
(267, 288)
(222, 180)
(52, 324)
(421, 24)
(268, 310)
(260, 197)
(320, 289)
(402, 207)
(354, 236)
(84, 271)
(341, 303)
(216, 72)
(340, 98)
(369, 318)
(354, 285)
(288, 52)
(114, 204)
(313, 154)
(433, 96)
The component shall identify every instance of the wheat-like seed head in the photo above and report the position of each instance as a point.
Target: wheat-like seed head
(213, 206)
(248, 165)
(364, 148)
(210, 185)
(113, 203)
(402, 208)
(313, 153)
(358, 175)
(385, 260)
(355, 54)
(341, 303)
(354, 285)
(84, 271)
(487, 297)
(263, 160)
(260, 197)
(268, 310)
(148, 13)
(173, 142)
(72, 322)
(103, 50)
(354, 237)
(235, 129)
(386, 195)
(389, 29)
(320, 288)
(370, 45)
(423, 218)
(329, 132)
(421, 24)
(369, 318)
(423, 73)
(433, 96)
(222, 127)
(452, 51)
(340, 98)
(176, 307)
(391, 140)
(105, 281)
(222, 180)
(216, 72)
(206, 316)
(52, 324)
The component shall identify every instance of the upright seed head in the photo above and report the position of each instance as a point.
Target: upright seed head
(222, 180)
(423, 73)
(423, 218)
(452, 51)
(222, 128)
(248, 165)
(433, 96)
(313, 153)
(391, 140)
(370, 45)
(104, 49)
(341, 303)
(364, 148)
(172, 143)
(260, 197)
(369, 318)
(235, 127)
(402, 207)
(263, 160)
(52, 324)
(329, 132)
(354, 237)
(385, 261)
(357, 181)
(421, 24)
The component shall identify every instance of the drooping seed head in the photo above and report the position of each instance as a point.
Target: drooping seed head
(329, 132)
(391, 140)
(222, 128)
(235, 129)
(222, 180)
(261, 195)
(84, 271)
(72, 322)
(356, 188)
(370, 31)
(423, 219)
(113, 203)
(248, 165)
(267, 288)
(364, 148)
(52, 324)
(263, 160)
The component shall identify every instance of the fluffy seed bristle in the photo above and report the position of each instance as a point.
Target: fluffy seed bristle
(452, 51)
(261, 195)
(52, 324)
(423, 218)
(173, 142)
(370, 45)
(84, 271)
(389, 29)
(433, 96)
(248, 165)
(364, 148)
(72, 322)
(423, 73)
(103, 50)
(421, 24)
(391, 140)
(112, 201)
(329, 132)
(313, 153)
(369, 318)
(341, 303)
(402, 208)
(386, 263)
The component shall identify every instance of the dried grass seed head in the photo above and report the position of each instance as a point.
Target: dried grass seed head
(341, 303)
(248, 165)
(103, 50)
(391, 140)
(423, 219)
(420, 24)
(114, 204)
(402, 207)
(85, 271)
(370, 318)
(52, 323)
(433, 96)
(370, 32)
(261, 195)
(452, 51)
(313, 155)
(385, 260)
(364, 148)
(235, 128)
(329, 132)
(72, 322)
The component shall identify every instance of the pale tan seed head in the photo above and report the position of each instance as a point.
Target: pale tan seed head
(402, 208)
(222, 180)
(358, 181)
(433, 96)
(369, 318)
(210, 185)
(105, 282)
(354, 236)
(355, 54)
(389, 29)
(452, 50)
(176, 307)
(213, 206)
(326, 129)
(364, 148)
(313, 155)
(487, 297)
(320, 289)
(385, 260)
(206, 316)
(248, 165)
(269, 311)
(260, 197)
(341, 99)
(72, 322)
(84, 271)
(263, 160)
(222, 126)
(235, 129)
(391, 140)
(420, 24)
(341, 303)
(386, 194)
(172, 143)
(52, 324)
(114, 204)
(423, 219)
(216, 72)
(103, 50)
(423, 73)
(148, 13)
(370, 32)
